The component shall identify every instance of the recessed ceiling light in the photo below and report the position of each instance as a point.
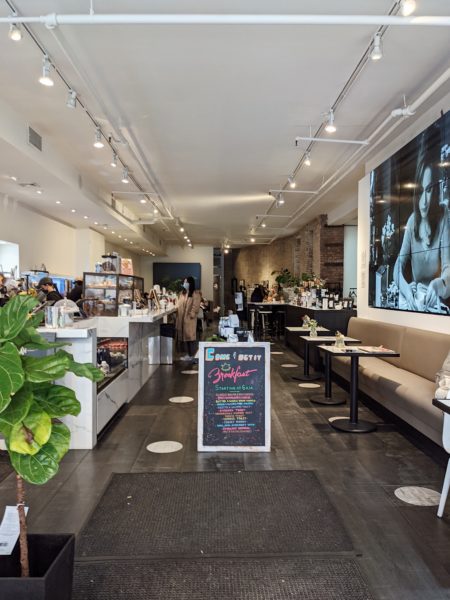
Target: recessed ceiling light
(131, 243)
(98, 138)
(13, 177)
(252, 240)
(113, 232)
(95, 222)
(155, 211)
(181, 229)
(105, 227)
(185, 237)
(226, 251)
(143, 200)
(58, 202)
(73, 210)
(45, 78)
(85, 217)
(125, 176)
(263, 225)
(125, 239)
(120, 236)
(330, 126)
(39, 192)
(15, 33)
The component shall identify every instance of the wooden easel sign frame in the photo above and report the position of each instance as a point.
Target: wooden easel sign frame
(234, 397)
(154, 296)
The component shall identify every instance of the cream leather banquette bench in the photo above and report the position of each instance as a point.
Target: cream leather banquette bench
(403, 385)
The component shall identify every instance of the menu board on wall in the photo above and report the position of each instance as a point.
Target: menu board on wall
(234, 397)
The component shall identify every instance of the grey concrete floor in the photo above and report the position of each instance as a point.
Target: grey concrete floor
(404, 550)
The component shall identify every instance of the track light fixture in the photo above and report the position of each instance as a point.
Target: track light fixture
(113, 162)
(15, 33)
(252, 240)
(291, 182)
(181, 229)
(98, 138)
(71, 99)
(125, 176)
(155, 211)
(45, 78)
(377, 51)
(280, 200)
(308, 159)
(407, 7)
(330, 126)
(263, 225)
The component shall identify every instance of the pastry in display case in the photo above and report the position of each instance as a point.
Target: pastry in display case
(104, 292)
(112, 358)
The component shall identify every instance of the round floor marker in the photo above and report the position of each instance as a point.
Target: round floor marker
(309, 386)
(337, 418)
(164, 447)
(419, 496)
(191, 372)
(181, 399)
(289, 366)
(276, 352)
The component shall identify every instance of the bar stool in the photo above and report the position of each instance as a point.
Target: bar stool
(279, 322)
(252, 320)
(264, 322)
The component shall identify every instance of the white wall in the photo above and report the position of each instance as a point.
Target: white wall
(90, 246)
(137, 264)
(40, 239)
(350, 254)
(176, 254)
(9, 257)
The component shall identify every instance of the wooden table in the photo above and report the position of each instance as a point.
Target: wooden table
(352, 424)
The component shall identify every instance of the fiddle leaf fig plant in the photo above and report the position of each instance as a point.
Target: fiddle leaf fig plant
(31, 405)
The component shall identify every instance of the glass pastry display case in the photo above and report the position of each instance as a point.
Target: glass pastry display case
(103, 292)
(112, 358)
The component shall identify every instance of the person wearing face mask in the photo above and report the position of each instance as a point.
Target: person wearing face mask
(189, 302)
(426, 242)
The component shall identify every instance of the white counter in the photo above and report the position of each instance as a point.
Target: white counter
(97, 409)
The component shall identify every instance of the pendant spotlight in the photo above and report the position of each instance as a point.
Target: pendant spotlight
(291, 182)
(113, 162)
(125, 176)
(71, 99)
(280, 200)
(15, 33)
(45, 78)
(377, 51)
(98, 138)
(307, 161)
(330, 126)
(407, 7)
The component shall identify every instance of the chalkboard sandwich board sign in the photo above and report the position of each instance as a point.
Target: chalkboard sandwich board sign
(234, 397)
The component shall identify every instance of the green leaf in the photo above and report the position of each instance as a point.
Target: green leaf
(14, 316)
(46, 368)
(36, 469)
(36, 319)
(21, 442)
(11, 373)
(18, 408)
(31, 339)
(83, 369)
(59, 440)
(39, 423)
(58, 401)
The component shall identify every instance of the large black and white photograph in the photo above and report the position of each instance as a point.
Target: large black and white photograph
(410, 225)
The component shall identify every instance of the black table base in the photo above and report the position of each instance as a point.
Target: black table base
(321, 399)
(308, 377)
(346, 425)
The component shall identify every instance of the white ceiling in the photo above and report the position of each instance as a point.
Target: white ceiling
(209, 114)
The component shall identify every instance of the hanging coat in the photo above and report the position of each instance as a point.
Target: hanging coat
(188, 308)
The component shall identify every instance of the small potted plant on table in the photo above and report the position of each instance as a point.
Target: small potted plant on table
(31, 407)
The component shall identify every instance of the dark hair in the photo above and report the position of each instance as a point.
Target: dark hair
(428, 158)
(191, 282)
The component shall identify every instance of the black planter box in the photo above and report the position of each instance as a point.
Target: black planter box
(51, 569)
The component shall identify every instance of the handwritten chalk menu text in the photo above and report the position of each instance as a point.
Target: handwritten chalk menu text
(234, 397)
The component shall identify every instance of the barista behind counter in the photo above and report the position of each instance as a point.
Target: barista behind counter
(48, 291)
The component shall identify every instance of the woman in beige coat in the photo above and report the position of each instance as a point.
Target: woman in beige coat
(188, 307)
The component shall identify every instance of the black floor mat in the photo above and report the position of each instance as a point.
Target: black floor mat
(222, 579)
(224, 513)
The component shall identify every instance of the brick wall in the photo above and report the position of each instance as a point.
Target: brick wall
(316, 248)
